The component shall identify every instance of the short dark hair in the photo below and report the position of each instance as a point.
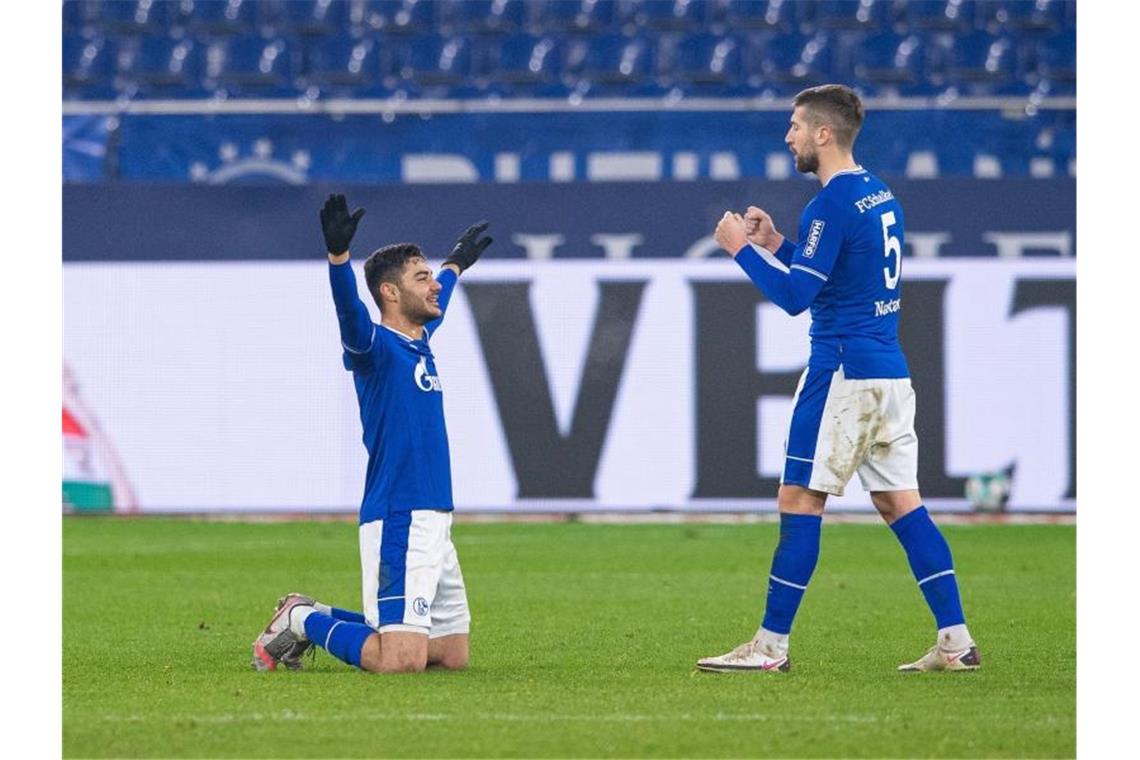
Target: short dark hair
(837, 106)
(387, 264)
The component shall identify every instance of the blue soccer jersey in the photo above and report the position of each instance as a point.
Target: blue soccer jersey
(401, 405)
(847, 267)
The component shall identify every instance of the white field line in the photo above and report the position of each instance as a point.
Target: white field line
(353, 717)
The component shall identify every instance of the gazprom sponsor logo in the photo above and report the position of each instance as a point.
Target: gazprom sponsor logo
(883, 308)
(868, 202)
(814, 234)
(424, 381)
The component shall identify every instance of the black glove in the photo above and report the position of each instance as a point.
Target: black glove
(469, 247)
(337, 225)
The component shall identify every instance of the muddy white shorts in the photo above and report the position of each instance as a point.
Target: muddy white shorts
(411, 576)
(841, 427)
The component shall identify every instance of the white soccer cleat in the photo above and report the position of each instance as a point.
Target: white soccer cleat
(937, 658)
(747, 656)
(277, 644)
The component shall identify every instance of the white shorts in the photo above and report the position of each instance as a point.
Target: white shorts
(410, 573)
(840, 427)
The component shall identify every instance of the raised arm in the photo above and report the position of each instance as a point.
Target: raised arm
(468, 248)
(338, 226)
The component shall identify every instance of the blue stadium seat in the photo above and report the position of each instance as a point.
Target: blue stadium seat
(744, 15)
(672, 15)
(344, 67)
(1023, 17)
(251, 66)
(1056, 62)
(937, 15)
(794, 61)
(215, 18)
(488, 17)
(574, 16)
(131, 17)
(89, 67)
(892, 62)
(162, 67)
(525, 64)
(844, 14)
(709, 64)
(313, 18)
(614, 65)
(982, 64)
(404, 16)
(80, 16)
(442, 64)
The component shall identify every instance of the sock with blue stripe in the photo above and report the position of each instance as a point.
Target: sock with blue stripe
(346, 615)
(792, 566)
(933, 568)
(342, 639)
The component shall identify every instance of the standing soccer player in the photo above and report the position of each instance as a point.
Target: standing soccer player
(854, 408)
(415, 603)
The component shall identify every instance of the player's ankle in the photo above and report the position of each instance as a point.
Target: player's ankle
(954, 638)
(771, 643)
(297, 617)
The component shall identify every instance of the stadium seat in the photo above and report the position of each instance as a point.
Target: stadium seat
(89, 67)
(444, 64)
(252, 66)
(575, 16)
(162, 67)
(404, 16)
(80, 16)
(981, 62)
(843, 14)
(524, 64)
(314, 18)
(1024, 17)
(344, 67)
(488, 17)
(937, 15)
(133, 17)
(215, 18)
(793, 61)
(1056, 62)
(745, 15)
(708, 64)
(613, 65)
(892, 62)
(672, 15)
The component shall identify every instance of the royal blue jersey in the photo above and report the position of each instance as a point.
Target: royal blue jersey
(847, 267)
(401, 405)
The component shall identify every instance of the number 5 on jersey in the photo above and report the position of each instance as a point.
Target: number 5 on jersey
(891, 245)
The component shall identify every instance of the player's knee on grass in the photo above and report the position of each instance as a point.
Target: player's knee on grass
(451, 652)
(396, 652)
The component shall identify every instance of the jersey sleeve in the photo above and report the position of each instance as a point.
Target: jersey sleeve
(357, 331)
(821, 238)
(447, 279)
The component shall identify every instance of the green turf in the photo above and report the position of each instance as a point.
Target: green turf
(583, 643)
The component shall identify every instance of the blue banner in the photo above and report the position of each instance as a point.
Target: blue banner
(950, 217)
(561, 146)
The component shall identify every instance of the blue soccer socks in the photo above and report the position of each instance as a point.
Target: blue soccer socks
(932, 565)
(346, 615)
(342, 639)
(792, 566)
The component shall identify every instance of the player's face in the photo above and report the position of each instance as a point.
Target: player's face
(419, 293)
(800, 141)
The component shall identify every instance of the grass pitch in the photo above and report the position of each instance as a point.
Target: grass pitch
(584, 640)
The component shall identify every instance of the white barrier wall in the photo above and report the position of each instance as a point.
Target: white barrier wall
(221, 387)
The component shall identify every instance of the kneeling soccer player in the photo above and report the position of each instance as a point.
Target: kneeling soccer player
(415, 603)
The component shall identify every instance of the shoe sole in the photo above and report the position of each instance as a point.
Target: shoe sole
(263, 661)
(784, 667)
